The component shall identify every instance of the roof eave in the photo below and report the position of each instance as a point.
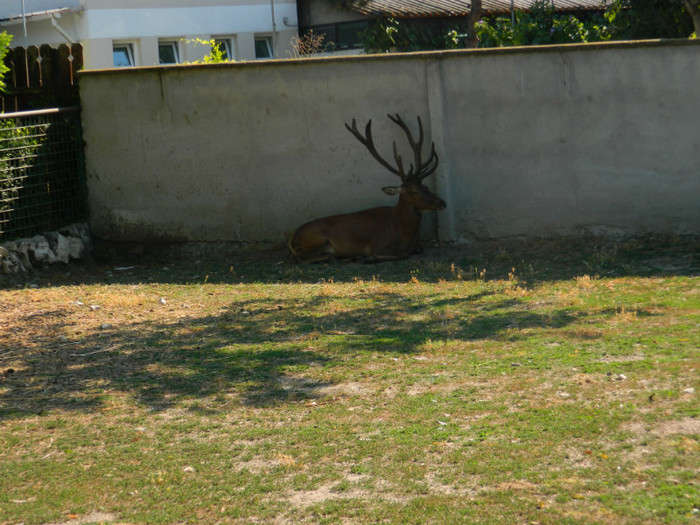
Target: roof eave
(38, 15)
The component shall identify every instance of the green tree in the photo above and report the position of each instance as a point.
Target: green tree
(392, 34)
(5, 40)
(474, 17)
(693, 8)
(540, 25)
(641, 19)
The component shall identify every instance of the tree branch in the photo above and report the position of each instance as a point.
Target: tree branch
(693, 8)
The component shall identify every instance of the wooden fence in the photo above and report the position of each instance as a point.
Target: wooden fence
(42, 77)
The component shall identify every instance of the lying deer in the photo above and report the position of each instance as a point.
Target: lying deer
(377, 234)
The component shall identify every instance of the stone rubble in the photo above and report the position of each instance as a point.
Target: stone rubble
(67, 244)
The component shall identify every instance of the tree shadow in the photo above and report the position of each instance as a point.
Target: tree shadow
(529, 261)
(258, 352)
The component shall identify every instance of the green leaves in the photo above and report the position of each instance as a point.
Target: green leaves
(5, 40)
(540, 24)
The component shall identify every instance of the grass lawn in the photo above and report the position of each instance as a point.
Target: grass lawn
(529, 383)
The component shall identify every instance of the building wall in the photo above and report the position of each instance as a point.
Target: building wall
(142, 23)
(315, 12)
(564, 140)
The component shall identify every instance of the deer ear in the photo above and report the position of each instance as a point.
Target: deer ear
(392, 190)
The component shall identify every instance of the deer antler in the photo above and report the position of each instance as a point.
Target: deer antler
(417, 171)
(368, 141)
(421, 169)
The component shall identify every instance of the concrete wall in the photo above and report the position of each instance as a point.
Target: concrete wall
(534, 141)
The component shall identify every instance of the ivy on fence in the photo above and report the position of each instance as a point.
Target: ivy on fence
(41, 172)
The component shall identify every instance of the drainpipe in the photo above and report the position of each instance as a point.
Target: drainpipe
(24, 24)
(274, 29)
(65, 34)
(26, 54)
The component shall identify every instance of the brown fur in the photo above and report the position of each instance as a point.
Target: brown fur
(376, 234)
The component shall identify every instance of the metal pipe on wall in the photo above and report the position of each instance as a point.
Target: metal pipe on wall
(274, 29)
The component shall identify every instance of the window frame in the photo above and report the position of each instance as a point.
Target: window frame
(128, 47)
(335, 30)
(174, 47)
(268, 44)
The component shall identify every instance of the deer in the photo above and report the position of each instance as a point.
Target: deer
(385, 233)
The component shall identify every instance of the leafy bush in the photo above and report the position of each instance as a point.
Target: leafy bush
(5, 40)
(18, 150)
(217, 54)
(391, 34)
(539, 26)
(640, 19)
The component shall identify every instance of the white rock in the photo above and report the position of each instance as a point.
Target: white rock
(76, 248)
(10, 262)
(21, 250)
(59, 245)
(69, 243)
(37, 250)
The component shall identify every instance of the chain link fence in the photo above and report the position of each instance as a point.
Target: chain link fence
(42, 174)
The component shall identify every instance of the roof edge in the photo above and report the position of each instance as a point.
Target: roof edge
(13, 19)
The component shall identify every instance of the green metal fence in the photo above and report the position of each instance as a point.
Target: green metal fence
(42, 173)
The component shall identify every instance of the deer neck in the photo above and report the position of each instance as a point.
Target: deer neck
(407, 217)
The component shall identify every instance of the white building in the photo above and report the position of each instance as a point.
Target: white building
(117, 33)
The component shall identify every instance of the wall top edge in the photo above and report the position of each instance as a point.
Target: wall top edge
(562, 48)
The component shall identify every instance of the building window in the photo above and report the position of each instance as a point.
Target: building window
(348, 34)
(224, 45)
(263, 47)
(167, 53)
(343, 35)
(123, 55)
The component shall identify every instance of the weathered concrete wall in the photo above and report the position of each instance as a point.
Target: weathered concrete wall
(572, 140)
(537, 141)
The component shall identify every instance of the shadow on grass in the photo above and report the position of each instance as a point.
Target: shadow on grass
(259, 352)
(530, 261)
